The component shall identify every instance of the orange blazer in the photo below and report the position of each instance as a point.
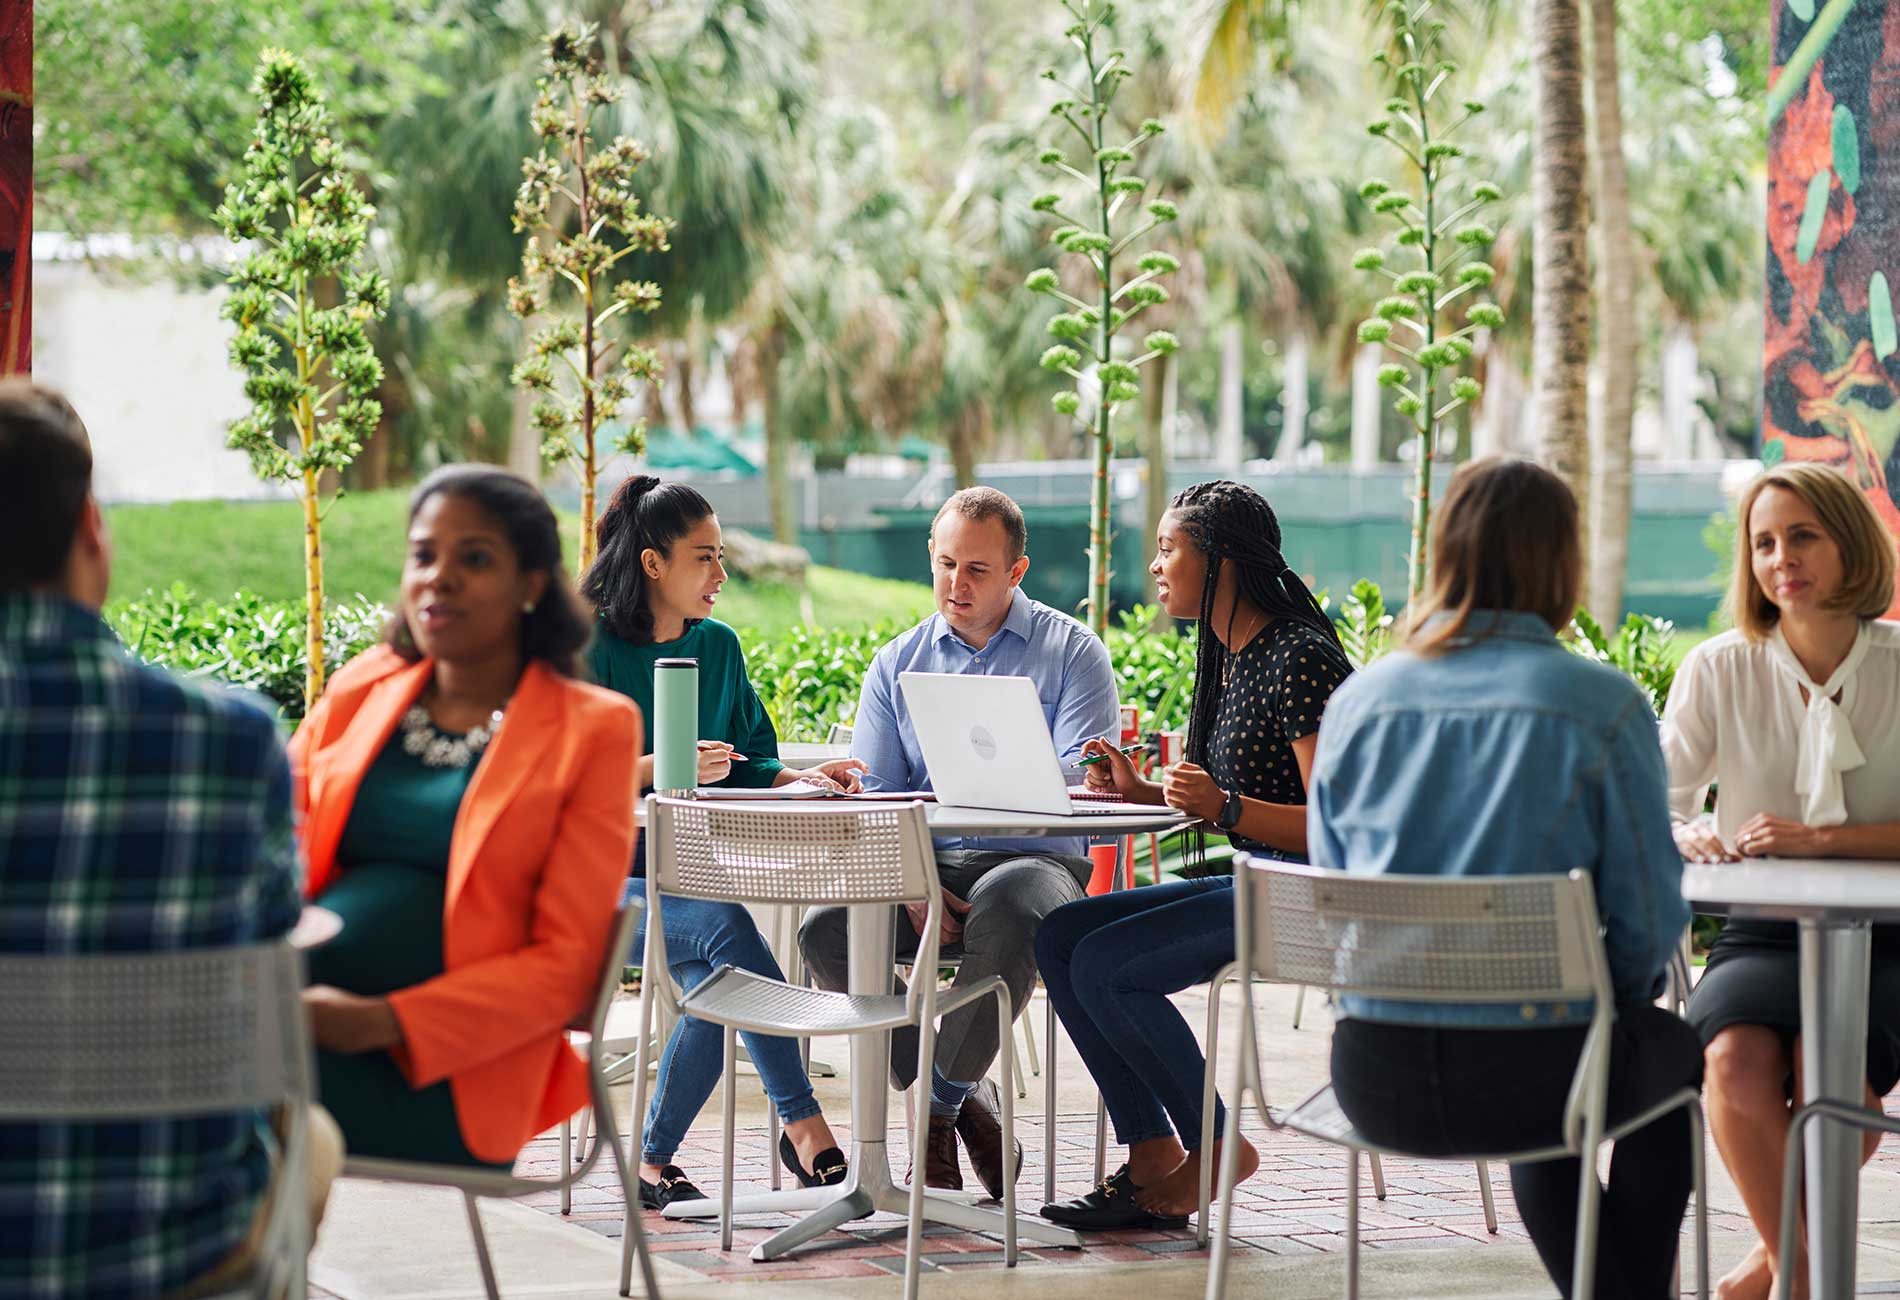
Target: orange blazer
(540, 850)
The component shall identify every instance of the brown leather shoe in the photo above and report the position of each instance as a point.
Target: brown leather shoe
(980, 1125)
(941, 1169)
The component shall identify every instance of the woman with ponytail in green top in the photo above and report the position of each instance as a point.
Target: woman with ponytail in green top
(653, 583)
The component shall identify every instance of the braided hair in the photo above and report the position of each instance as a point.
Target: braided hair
(1233, 524)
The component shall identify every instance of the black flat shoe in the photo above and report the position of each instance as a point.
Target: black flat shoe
(674, 1185)
(828, 1166)
(1109, 1208)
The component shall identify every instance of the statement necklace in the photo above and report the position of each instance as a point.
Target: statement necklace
(437, 748)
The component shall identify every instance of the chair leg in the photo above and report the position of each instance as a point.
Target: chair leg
(1030, 1049)
(481, 1248)
(914, 1228)
(633, 1240)
(1207, 1111)
(1014, 1070)
(728, 1101)
(1299, 1005)
(1698, 1166)
(1352, 1224)
(1048, 1100)
(1490, 1202)
(1378, 1175)
(1589, 1203)
(1229, 1171)
(1009, 1131)
(567, 1172)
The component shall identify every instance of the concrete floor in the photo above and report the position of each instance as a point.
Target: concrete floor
(390, 1242)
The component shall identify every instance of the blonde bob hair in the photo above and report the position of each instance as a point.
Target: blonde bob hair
(1505, 538)
(1867, 549)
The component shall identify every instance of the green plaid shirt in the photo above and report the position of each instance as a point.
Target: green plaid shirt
(138, 813)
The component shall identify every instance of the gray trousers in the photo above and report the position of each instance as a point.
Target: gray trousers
(1009, 894)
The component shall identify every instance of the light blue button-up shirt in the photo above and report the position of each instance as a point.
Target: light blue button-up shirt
(1067, 662)
(1508, 756)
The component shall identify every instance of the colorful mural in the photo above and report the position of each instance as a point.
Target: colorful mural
(1831, 388)
(16, 185)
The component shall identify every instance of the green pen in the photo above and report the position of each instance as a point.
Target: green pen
(1097, 758)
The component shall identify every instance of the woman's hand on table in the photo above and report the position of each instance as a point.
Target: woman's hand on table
(349, 1023)
(1698, 842)
(1114, 773)
(1765, 835)
(845, 773)
(1192, 790)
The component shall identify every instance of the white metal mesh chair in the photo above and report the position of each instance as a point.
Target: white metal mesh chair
(474, 1183)
(1505, 939)
(841, 733)
(1208, 1073)
(1860, 1117)
(168, 1036)
(804, 855)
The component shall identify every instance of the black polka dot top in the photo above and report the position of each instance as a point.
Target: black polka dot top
(1276, 693)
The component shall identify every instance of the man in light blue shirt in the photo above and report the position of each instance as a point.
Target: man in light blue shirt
(996, 891)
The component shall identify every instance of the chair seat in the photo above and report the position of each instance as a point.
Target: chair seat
(1319, 1116)
(730, 996)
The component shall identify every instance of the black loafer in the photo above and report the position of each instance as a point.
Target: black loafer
(1109, 1208)
(828, 1167)
(674, 1185)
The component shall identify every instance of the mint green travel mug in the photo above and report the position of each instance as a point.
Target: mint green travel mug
(675, 725)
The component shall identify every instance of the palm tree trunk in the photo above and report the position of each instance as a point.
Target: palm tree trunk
(1368, 408)
(1616, 261)
(1560, 266)
(1157, 440)
(964, 432)
(1229, 448)
(1293, 408)
(778, 451)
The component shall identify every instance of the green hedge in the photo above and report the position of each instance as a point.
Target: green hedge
(808, 677)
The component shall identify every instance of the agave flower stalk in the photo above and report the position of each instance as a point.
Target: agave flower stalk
(1439, 248)
(1103, 221)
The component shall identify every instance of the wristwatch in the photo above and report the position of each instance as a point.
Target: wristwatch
(1229, 811)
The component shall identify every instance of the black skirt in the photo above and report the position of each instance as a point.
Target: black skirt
(1753, 978)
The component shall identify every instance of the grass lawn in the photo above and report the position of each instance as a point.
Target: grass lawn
(218, 547)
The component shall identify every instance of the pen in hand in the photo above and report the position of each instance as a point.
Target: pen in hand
(1100, 758)
(735, 757)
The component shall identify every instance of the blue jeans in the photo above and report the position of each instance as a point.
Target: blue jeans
(702, 936)
(1109, 964)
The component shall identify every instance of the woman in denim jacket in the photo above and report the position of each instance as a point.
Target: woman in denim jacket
(1486, 748)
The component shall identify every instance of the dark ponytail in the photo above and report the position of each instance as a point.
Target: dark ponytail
(644, 514)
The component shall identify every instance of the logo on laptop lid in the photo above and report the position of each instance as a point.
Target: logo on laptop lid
(983, 742)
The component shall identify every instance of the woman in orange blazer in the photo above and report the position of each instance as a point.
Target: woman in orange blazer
(468, 810)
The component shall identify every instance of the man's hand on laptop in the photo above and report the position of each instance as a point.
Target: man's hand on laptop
(950, 926)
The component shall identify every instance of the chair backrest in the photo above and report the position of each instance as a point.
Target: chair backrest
(803, 852)
(1421, 938)
(840, 734)
(152, 1035)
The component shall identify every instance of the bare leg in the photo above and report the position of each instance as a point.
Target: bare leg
(809, 1137)
(1749, 1116)
(1151, 1161)
(1180, 1192)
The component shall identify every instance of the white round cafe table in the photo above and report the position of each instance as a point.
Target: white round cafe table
(1833, 903)
(870, 1185)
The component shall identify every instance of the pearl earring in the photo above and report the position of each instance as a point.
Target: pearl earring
(527, 607)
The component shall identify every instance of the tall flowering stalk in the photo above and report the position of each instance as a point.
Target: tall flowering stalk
(577, 206)
(303, 225)
(1435, 242)
(1085, 333)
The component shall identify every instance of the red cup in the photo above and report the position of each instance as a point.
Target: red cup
(1131, 723)
(1173, 747)
(1102, 858)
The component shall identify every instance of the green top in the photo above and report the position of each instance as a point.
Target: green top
(393, 878)
(729, 709)
(390, 892)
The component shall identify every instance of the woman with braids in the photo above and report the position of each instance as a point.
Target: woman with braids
(1268, 661)
(1485, 748)
(658, 571)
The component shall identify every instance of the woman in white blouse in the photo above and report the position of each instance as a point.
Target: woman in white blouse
(1795, 717)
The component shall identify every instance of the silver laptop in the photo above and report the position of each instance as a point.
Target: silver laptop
(987, 744)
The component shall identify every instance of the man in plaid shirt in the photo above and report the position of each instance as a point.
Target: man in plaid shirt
(138, 813)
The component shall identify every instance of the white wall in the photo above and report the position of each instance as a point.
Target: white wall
(143, 360)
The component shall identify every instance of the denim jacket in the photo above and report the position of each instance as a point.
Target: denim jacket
(1505, 755)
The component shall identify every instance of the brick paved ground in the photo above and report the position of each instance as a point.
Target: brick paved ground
(1294, 1205)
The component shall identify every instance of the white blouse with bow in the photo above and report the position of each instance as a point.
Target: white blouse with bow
(1736, 716)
